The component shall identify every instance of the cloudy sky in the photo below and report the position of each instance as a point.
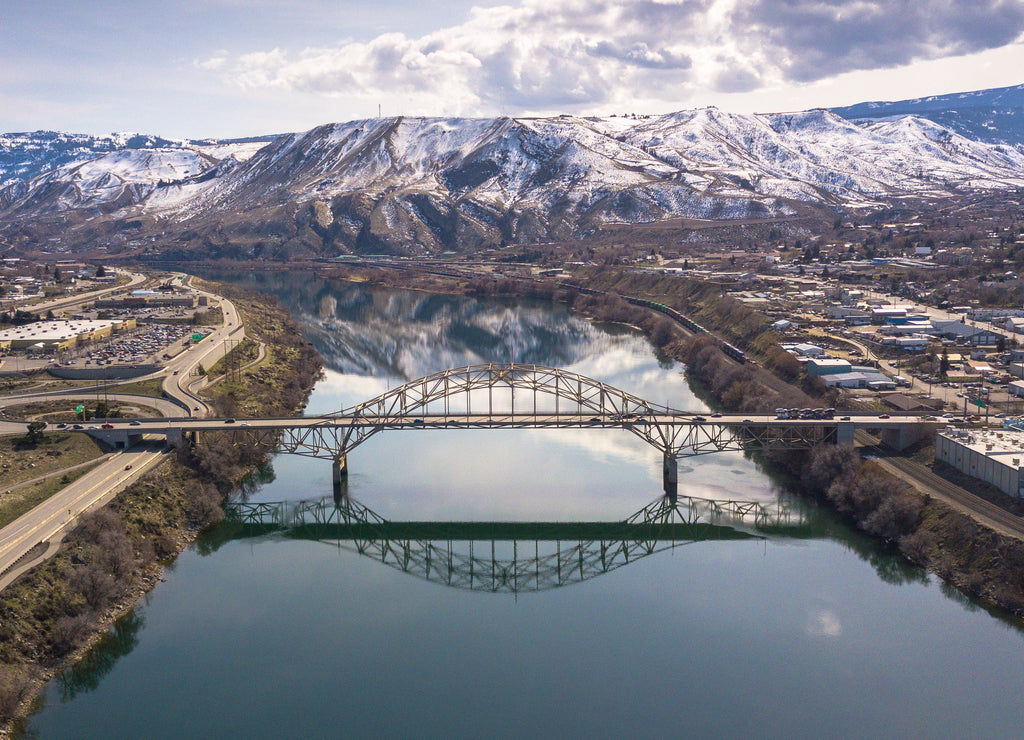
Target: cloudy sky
(197, 68)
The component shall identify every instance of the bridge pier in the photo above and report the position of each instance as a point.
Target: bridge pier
(670, 476)
(902, 437)
(339, 476)
(845, 431)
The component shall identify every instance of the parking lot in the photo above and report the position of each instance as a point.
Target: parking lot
(153, 344)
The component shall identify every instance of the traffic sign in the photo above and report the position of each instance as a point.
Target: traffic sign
(79, 409)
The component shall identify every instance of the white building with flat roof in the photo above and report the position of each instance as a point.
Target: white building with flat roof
(52, 335)
(993, 456)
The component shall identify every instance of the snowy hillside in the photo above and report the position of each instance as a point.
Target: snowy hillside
(410, 185)
(995, 115)
(24, 156)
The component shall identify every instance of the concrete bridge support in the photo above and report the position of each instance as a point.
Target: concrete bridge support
(670, 476)
(903, 436)
(339, 476)
(177, 439)
(845, 431)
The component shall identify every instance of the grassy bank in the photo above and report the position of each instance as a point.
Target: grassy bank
(51, 615)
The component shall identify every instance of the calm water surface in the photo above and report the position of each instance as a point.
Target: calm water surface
(819, 634)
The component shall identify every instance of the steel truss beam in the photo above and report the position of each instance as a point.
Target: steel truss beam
(512, 557)
(579, 402)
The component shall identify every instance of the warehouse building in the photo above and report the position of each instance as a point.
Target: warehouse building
(49, 336)
(992, 456)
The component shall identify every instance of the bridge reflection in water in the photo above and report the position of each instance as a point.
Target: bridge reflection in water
(514, 557)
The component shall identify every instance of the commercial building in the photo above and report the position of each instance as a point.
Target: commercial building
(151, 299)
(827, 366)
(49, 336)
(992, 456)
(881, 315)
(859, 377)
(916, 343)
(961, 332)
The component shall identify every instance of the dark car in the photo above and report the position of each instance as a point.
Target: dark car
(229, 421)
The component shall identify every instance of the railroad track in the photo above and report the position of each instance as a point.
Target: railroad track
(985, 512)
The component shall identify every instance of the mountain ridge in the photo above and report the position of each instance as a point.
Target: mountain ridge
(994, 115)
(414, 185)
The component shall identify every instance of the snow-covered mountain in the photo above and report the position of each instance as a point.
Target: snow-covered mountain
(995, 115)
(410, 185)
(24, 156)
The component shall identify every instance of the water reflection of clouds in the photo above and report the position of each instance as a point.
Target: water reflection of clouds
(824, 623)
(381, 343)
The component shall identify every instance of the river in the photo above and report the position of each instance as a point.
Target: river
(806, 631)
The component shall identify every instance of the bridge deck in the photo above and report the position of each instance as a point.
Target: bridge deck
(527, 419)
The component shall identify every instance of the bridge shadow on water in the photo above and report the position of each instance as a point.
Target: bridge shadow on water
(508, 557)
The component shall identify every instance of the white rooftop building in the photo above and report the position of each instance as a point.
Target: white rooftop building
(993, 456)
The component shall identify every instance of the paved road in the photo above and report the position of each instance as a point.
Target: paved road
(180, 382)
(862, 421)
(74, 300)
(52, 518)
(165, 407)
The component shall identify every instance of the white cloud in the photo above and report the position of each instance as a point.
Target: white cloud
(547, 55)
(214, 62)
(824, 623)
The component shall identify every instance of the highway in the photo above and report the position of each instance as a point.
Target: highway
(135, 279)
(450, 420)
(180, 383)
(165, 407)
(51, 519)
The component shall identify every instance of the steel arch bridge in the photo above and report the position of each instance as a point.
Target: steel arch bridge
(574, 395)
(514, 557)
(538, 397)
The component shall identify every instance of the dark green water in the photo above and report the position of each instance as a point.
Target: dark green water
(817, 634)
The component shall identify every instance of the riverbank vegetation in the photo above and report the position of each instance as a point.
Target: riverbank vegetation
(976, 559)
(51, 615)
